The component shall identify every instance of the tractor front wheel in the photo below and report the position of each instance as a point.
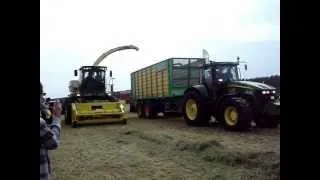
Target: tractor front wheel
(235, 114)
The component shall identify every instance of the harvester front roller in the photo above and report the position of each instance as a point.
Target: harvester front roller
(97, 112)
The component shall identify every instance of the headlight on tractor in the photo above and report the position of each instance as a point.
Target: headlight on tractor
(266, 92)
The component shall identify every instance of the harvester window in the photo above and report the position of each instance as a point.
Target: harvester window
(89, 74)
(100, 76)
(102, 73)
(85, 74)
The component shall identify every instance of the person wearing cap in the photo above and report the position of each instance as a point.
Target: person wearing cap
(49, 137)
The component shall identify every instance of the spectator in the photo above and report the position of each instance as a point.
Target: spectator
(49, 138)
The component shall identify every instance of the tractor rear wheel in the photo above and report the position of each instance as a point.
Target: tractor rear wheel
(235, 114)
(194, 109)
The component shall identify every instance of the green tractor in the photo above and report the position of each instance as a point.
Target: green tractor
(235, 103)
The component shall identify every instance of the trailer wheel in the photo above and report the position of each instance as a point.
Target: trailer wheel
(235, 114)
(194, 109)
(149, 112)
(140, 110)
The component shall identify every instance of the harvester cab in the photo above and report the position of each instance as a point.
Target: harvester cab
(236, 103)
(92, 80)
(89, 102)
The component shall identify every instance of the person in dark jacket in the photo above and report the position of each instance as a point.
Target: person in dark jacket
(49, 138)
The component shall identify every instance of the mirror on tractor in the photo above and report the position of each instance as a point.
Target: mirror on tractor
(110, 73)
(245, 67)
(75, 72)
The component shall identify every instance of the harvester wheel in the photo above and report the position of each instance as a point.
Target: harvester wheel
(235, 114)
(124, 121)
(140, 111)
(194, 109)
(75, 124)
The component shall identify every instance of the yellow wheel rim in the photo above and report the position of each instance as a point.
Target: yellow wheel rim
(191, 109)
(231, 115)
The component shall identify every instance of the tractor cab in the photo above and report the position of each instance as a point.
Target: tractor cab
(225, 72)
(217, 73)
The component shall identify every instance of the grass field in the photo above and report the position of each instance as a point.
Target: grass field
(165, 149)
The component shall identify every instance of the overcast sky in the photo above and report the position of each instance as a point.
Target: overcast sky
(75, 32)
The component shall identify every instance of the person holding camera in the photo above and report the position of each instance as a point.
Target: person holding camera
(49, 136)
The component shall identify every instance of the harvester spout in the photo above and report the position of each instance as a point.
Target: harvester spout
(104, 55)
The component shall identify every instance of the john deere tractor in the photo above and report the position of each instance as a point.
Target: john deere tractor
(235, 103)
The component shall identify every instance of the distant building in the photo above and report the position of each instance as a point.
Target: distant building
(125, 98)
(123, 95)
